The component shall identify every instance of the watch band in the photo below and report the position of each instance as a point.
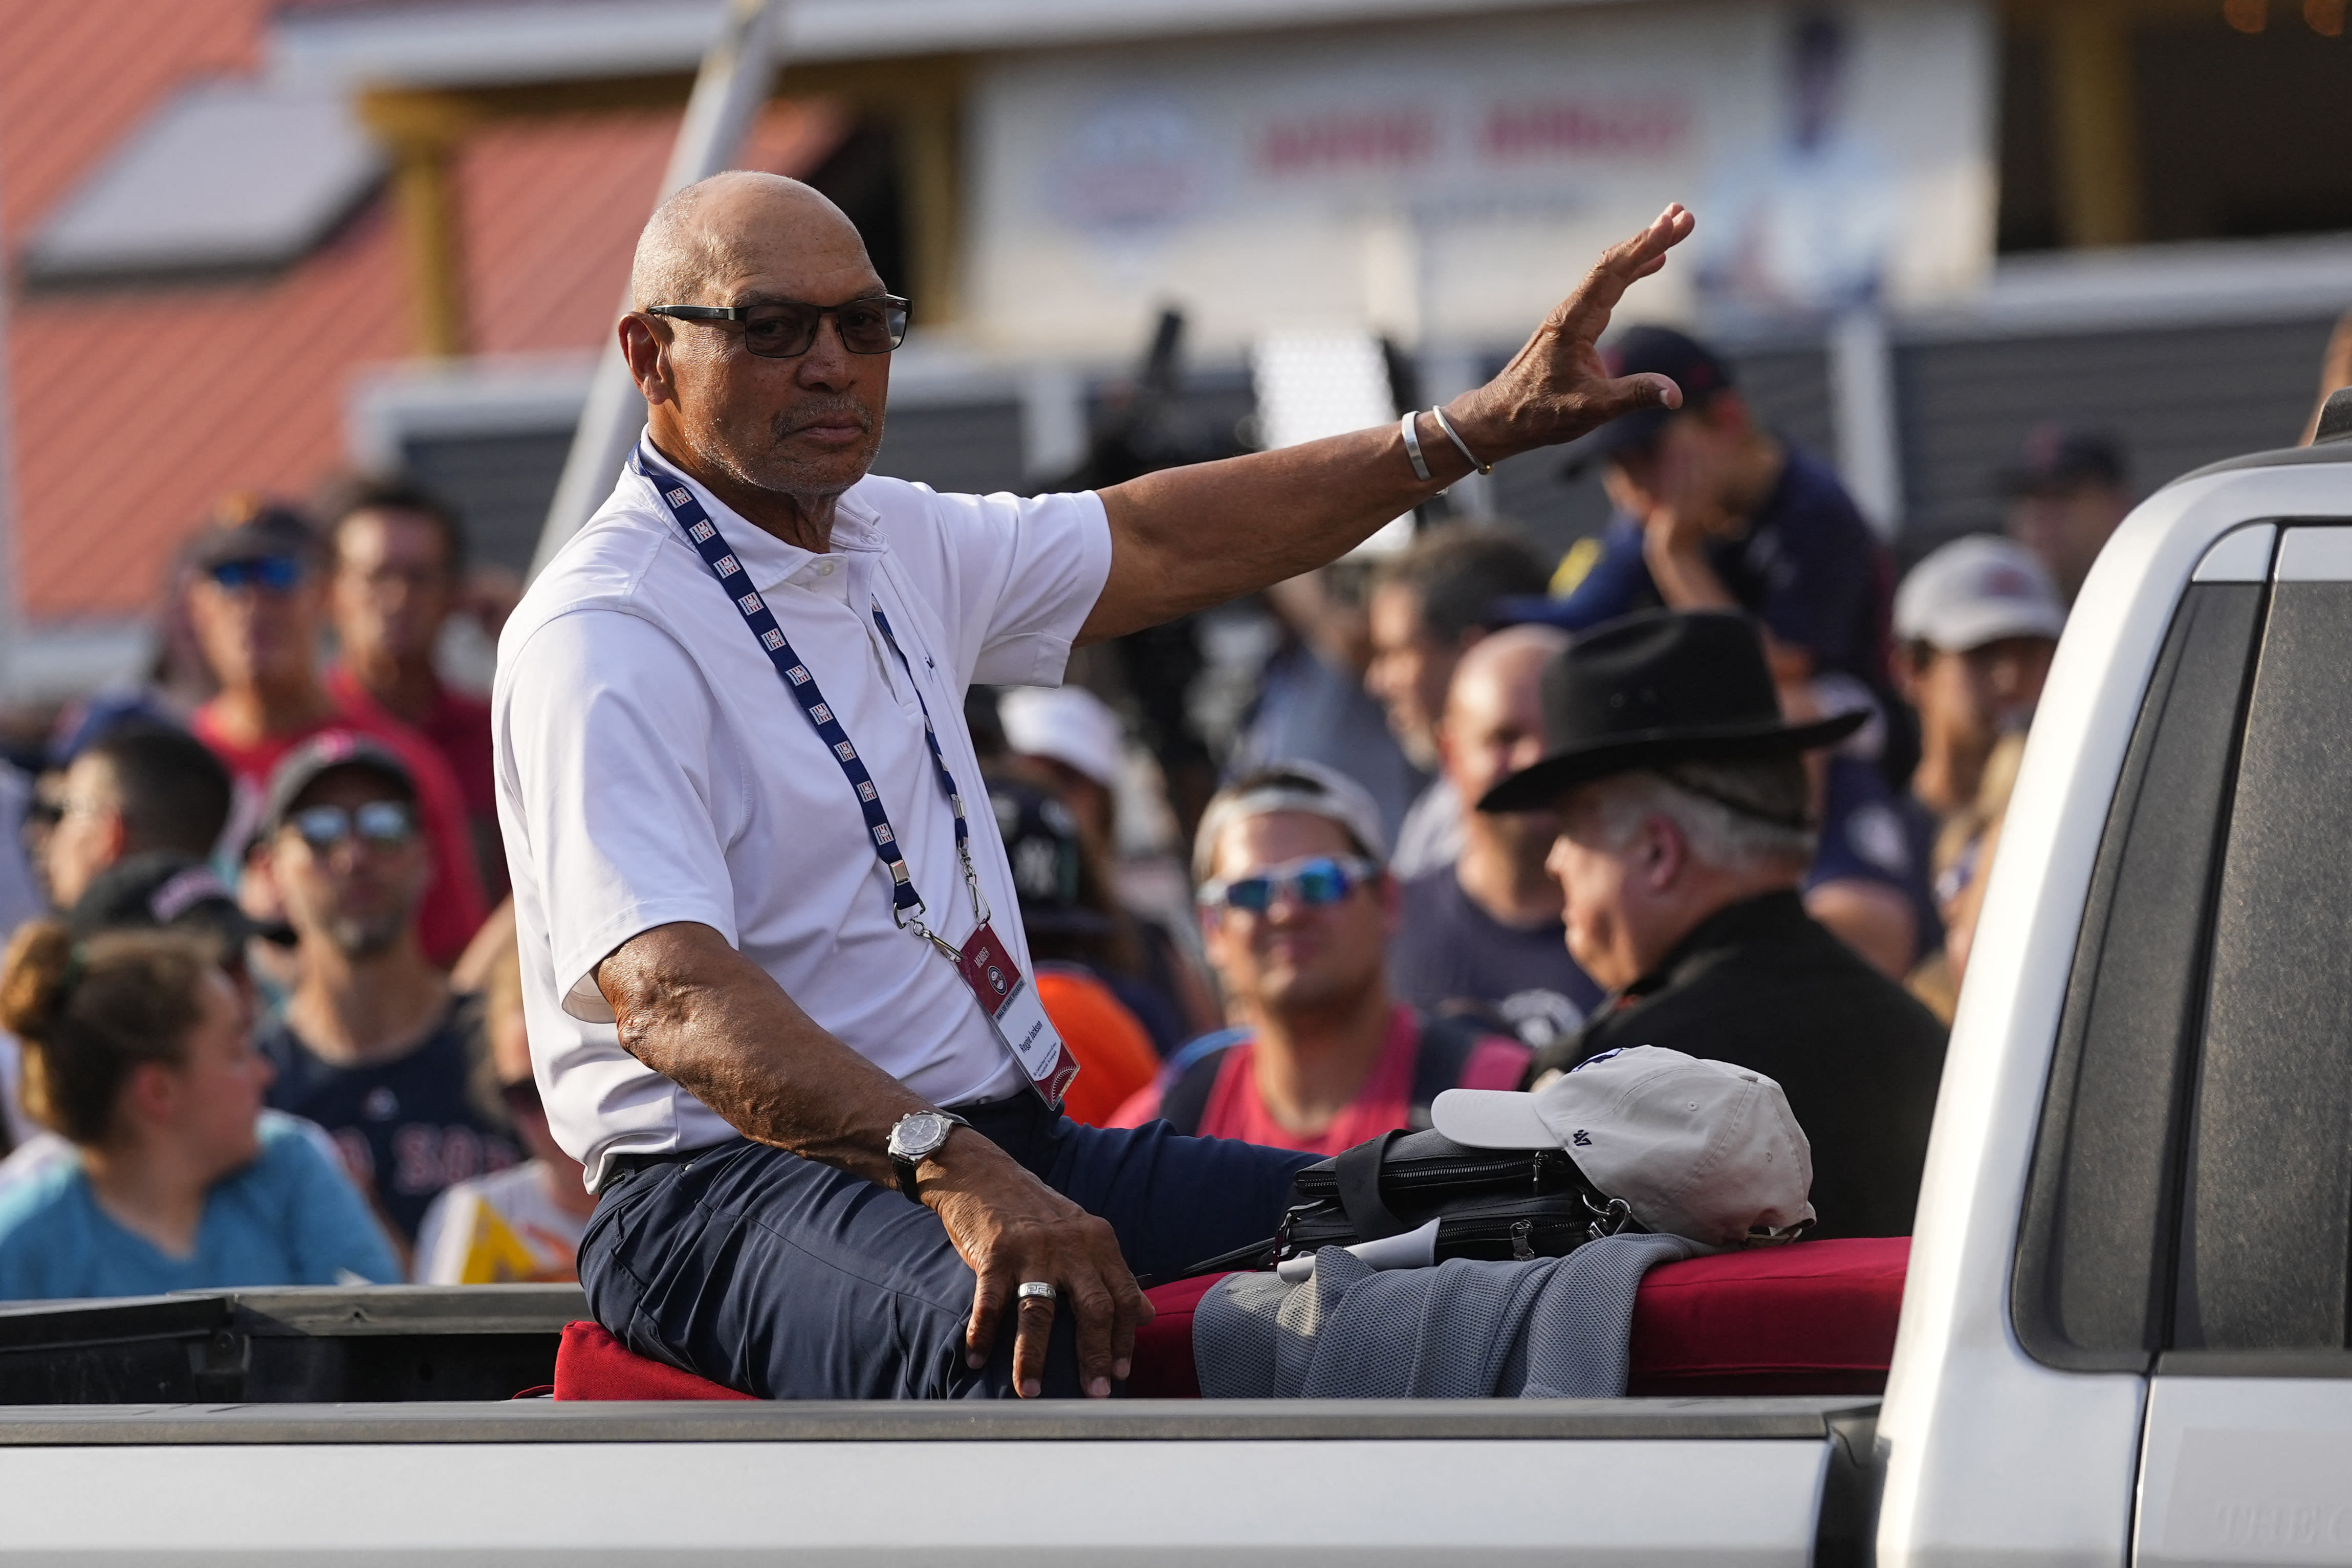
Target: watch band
(906, 1165)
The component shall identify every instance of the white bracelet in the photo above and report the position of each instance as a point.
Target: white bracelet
(1439, 415)
(1413, 446)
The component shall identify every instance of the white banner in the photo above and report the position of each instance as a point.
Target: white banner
(1449, 183)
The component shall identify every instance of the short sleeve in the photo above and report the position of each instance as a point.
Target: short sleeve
(333, 1235)
(1028, 572)
(612, 761)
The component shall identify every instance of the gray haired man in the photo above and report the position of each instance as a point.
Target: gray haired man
(1685, 826)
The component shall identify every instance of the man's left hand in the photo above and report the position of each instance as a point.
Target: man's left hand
(1557, 387)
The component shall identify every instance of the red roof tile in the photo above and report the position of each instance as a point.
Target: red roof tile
(135, 409)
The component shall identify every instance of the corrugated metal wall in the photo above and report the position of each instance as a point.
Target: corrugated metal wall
(2175, 396)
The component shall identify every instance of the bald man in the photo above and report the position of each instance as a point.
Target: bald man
(773, 967)
(1483, 936)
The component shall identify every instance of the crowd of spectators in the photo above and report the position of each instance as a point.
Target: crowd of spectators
(268, 1027)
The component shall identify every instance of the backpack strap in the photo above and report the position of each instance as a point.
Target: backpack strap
(1447, 1045)
(1190, 1078)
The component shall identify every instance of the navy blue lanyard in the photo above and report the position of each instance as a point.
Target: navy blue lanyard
(701, 532)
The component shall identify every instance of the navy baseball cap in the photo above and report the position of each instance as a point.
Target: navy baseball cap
(247, 529)
(1041, 844)
(1658, 351)
(161, 888)
(2059, 458)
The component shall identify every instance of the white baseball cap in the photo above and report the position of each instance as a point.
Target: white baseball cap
(1068, 724)
(1697, 1149)
(1978, 590)
(1295, 785)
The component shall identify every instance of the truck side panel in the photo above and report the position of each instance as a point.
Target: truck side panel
(1637, 1504)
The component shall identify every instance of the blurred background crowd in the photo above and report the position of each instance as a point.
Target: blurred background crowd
(304, 304)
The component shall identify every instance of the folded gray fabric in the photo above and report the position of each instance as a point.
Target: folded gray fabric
(1555, 1327)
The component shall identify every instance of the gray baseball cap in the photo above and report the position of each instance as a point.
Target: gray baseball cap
(1976, 591)
(1702, 1150)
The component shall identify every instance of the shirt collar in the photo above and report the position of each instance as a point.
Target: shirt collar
(767, 560)
(1768, 917)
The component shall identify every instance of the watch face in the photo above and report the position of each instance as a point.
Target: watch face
(919, 1134)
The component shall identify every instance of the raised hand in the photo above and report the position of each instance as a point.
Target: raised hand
(1557, 389)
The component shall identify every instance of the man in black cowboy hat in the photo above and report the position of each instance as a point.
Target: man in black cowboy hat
(1685, 814)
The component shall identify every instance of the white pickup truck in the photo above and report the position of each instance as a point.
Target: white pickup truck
(2123, 1339)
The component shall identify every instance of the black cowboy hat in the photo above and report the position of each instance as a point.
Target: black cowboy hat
(1654, 689)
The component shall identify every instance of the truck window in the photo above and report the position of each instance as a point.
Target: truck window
(2266, 1248)
(2091, 1267)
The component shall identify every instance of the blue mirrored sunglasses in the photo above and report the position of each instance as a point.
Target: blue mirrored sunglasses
(279, 573)
(382, 823)
(1315, 881)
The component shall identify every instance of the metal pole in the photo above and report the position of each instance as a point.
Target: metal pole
(1862, 414)
(733, 83)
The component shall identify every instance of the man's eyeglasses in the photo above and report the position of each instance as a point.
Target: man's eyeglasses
(279, 573)
(1315, 881)
(380, 824)
(787, 330)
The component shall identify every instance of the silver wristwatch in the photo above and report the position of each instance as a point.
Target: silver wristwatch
(915, 1137)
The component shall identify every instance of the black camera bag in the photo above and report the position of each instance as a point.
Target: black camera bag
(1497, 1204)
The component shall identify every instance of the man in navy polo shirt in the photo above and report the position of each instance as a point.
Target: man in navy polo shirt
(1715, 512)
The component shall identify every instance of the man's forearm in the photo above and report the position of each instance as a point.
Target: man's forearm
(1185, 539)
(1200, 535)
(710, 1020)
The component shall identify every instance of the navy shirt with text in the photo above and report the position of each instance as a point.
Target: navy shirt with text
(408, 1127)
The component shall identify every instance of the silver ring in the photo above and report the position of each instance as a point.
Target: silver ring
(1037, 1291)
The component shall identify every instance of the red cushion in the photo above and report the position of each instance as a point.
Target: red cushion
(591, 1364)
(1815, 1318)
(1164, 1368)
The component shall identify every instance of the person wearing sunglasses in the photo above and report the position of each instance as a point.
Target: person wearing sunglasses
(257, 602)
(770, 941)
(1297, 912)
(373, 1045)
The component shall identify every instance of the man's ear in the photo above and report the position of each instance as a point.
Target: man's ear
(648, 355)
(1665, 851)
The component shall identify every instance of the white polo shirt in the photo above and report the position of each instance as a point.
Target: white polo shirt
(652, 768)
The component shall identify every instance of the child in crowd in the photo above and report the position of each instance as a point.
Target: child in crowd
(138, 1051)
(524, 1221)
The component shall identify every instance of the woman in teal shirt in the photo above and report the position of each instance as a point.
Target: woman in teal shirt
(138, 1050)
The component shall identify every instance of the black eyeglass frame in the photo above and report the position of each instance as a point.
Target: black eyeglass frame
(898, 307)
